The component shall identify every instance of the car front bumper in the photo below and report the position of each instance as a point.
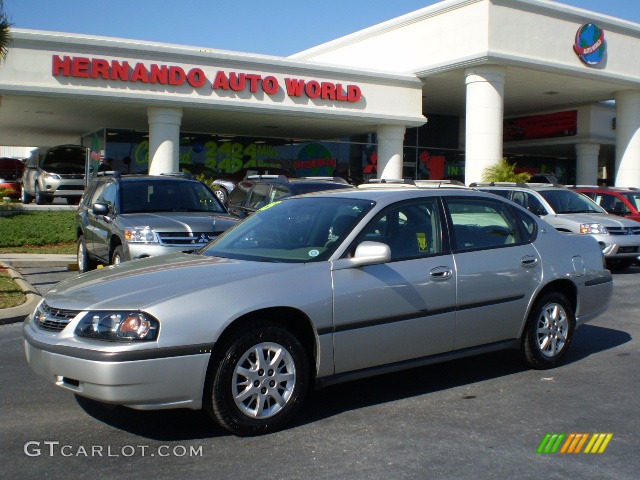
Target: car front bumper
(159, 379)
(144, 250)
(619, 246)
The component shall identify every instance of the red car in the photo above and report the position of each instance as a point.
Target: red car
(617, 200)
(11, 177)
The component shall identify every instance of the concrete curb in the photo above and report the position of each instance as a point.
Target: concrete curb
(18, 314)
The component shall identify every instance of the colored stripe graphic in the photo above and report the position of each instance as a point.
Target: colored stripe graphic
(574, 442)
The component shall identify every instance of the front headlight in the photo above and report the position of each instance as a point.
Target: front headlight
(591, 228)
(118, 326)
(53, 176)
(140, 235)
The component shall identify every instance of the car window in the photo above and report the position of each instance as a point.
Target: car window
(168, 196)
(411, 229)
(107, 195)
(277, 192)
(258, 196)
(633, 198)
(610, 203)
(295, 230)
(568, 201)
(481, 223)
(239, 194)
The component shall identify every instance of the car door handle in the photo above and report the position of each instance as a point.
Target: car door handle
(440, 273)
(529, 261)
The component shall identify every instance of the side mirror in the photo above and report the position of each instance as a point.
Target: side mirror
(367, 253)
(100, 209)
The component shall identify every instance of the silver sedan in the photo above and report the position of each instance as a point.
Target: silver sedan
(315, 290)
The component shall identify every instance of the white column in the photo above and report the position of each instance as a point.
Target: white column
(627, 138)
(390, 150)
(164, 139)
(587, 163)
(484, 118)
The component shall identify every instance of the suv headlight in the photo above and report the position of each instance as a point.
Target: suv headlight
(118, 326)
(591, 228)
(140, 235)
(54, 176)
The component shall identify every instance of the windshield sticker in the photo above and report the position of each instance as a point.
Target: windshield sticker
(270, 205)
(314, 253)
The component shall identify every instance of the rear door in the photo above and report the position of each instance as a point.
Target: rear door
(98, 229)
(498, 268)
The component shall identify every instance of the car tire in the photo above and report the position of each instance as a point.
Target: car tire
(38, 195)
(273, 392)
(117, 257)
(26, 198)
(548, 332)
(85, 262)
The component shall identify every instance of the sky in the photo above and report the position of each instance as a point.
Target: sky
(274, 27)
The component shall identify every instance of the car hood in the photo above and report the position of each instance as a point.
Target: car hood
(141, 283)
(180, 221)
(604, 219)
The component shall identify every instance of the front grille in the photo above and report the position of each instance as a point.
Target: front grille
(72, 176)
(79, 188)
(54, 319)
(623, 230)
(186, 238)
(628, 250)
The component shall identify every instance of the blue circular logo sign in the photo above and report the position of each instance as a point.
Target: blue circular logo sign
(590, 45)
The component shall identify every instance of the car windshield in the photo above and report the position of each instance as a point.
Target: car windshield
(168, 196)
(634, 199)
(296, 230)
(568, 201)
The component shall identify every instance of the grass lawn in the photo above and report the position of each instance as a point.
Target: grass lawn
(10, 293)
(38, 232)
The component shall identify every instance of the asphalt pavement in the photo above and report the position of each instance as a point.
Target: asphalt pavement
(480, 418)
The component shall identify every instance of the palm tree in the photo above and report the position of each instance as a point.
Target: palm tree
(5, 32)
(503, 171)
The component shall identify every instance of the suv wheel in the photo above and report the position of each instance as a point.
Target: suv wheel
(258, 381)
(38, 195)
(548, 331)
(118, 255)
(26, 198)
(85, 262)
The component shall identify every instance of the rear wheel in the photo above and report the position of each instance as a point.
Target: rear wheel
(26, 198)
(117, 257)
(549, 331)
(258, 381)
(85, 262)
(38, 195)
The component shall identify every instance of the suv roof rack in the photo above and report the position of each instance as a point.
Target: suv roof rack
(323, 179)
(111, 173)
(439, 183)
(390, 180)
(515, 184)
(282, 178)
(187, 175)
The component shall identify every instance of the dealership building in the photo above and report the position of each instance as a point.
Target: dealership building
(442, 92)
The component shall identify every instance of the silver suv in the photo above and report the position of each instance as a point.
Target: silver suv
(571, 212)
(122, 218)
(52, 172)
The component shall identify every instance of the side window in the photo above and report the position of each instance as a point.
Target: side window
(412, 229)
(528, 224)
(97, 193)
(480, 223)
(108, 195)
(239, 194)
(277, 192)
(259, 195)
(532, 204)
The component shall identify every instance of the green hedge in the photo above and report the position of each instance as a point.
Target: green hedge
(37, 228)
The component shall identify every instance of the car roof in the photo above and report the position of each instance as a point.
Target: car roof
(597, 188)
(393, 194)
(517, 186)
(103, 176)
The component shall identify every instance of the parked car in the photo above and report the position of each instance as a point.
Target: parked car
(624, 202)
(228, 184)
(11, 176)
(123, 218)
(571, 212)
(52, 172)
(318, 289)
(256, 191)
